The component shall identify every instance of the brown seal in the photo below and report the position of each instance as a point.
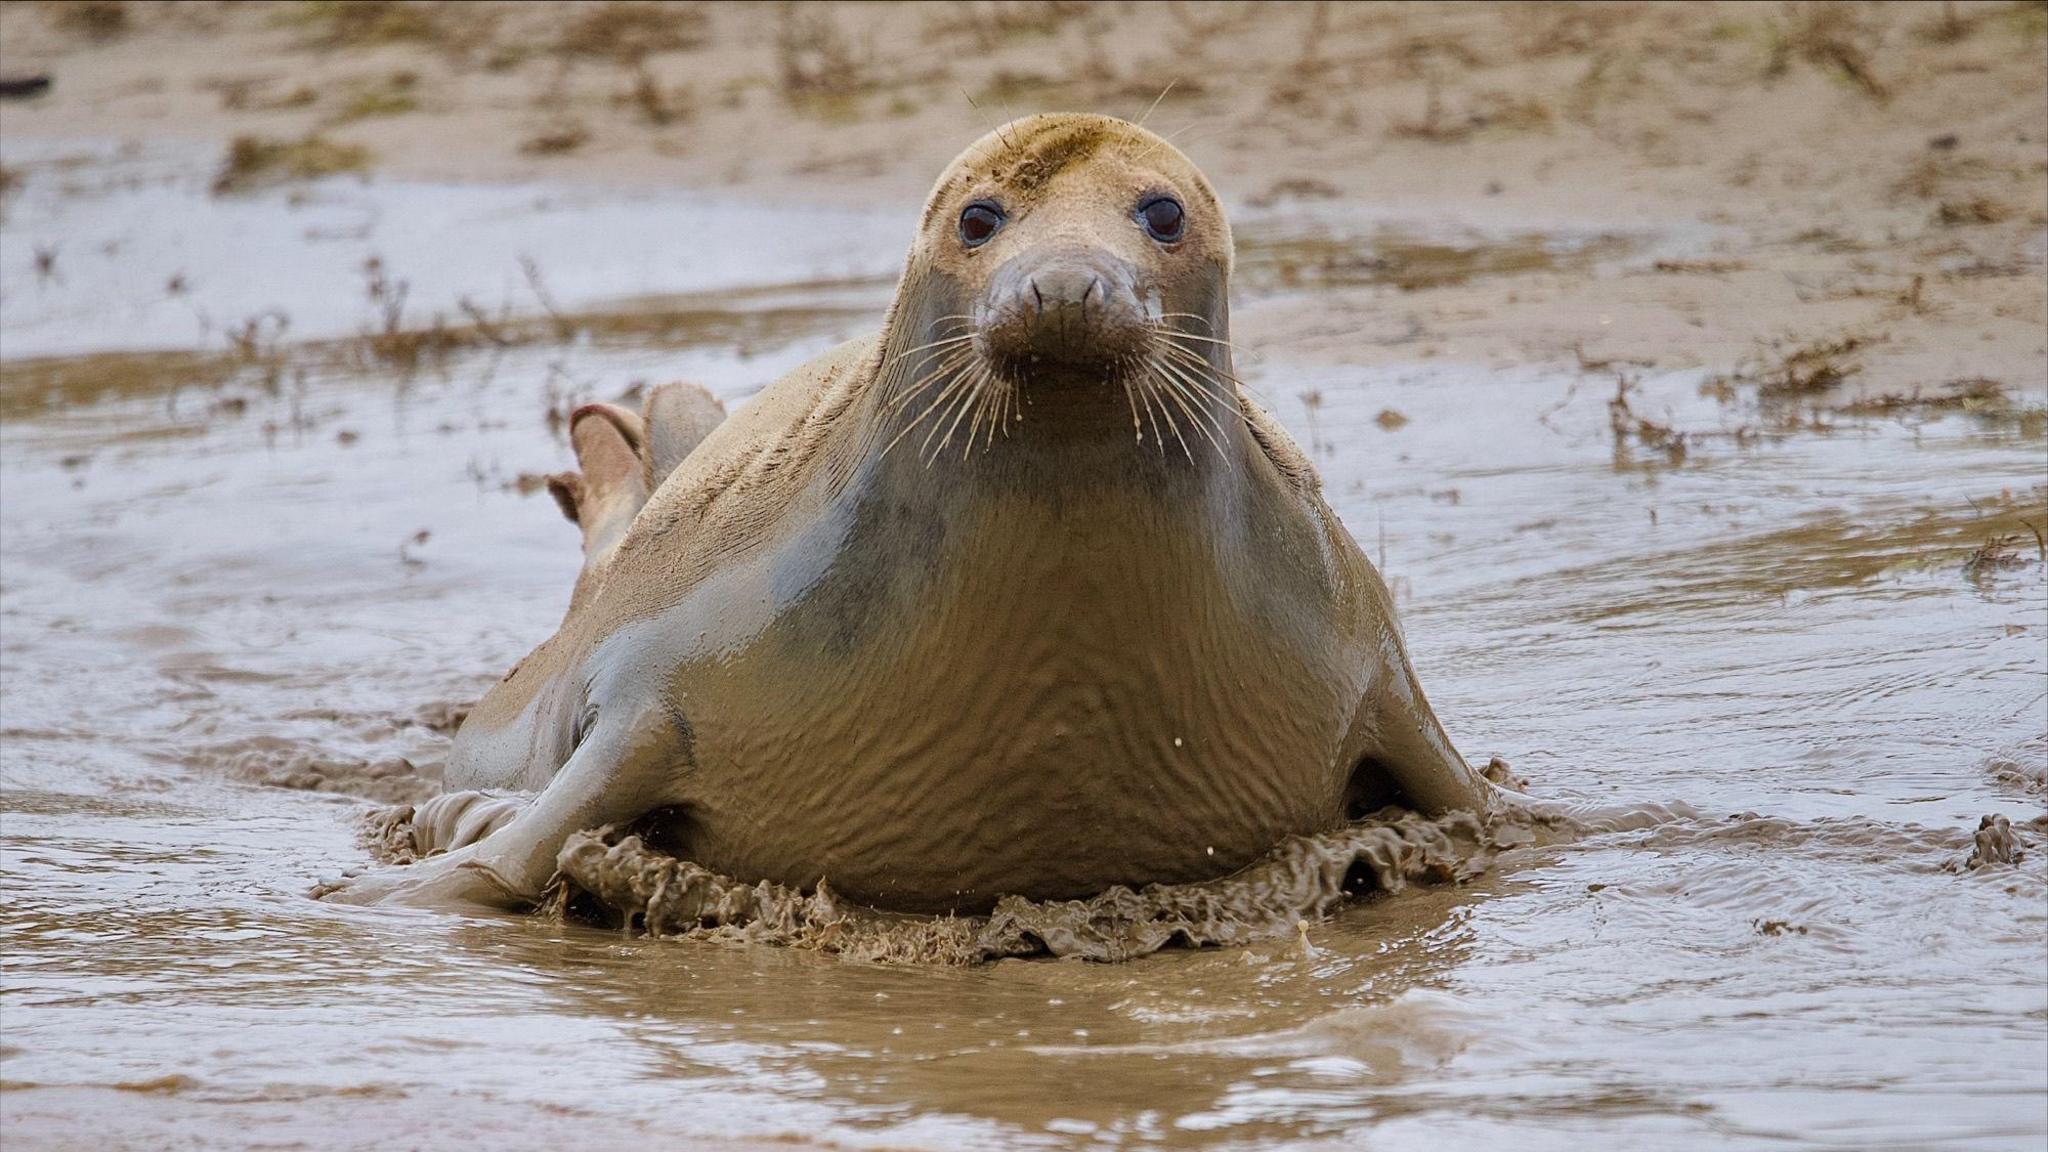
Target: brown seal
(1021, 595)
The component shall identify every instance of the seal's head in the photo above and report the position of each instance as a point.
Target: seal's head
(1066, 253)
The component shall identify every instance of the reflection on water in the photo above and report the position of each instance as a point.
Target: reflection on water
(295, 566)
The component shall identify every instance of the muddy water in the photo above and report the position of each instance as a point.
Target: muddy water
(238, 596)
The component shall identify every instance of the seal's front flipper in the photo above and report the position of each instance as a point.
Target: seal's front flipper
(1404, 755)
(458, 819)
(1410, 752)
(625, 767)
(678, 416)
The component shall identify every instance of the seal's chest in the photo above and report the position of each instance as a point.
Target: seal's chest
(1048, 697)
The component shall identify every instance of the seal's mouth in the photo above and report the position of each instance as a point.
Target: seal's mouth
(1063, 315)
(966, 388)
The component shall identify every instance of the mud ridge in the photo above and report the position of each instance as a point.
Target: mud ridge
(282, 763)
(612, 876)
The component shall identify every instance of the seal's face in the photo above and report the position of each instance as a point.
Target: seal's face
(1069, 253)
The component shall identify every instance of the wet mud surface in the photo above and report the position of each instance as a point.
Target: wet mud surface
(248, 590)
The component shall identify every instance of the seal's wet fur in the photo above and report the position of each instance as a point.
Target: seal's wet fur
(1066, 653)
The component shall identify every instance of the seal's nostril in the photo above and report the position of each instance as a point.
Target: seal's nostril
(1094, 284)
(1038, 296)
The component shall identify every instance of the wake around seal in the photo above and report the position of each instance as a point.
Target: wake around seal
(1020, 596)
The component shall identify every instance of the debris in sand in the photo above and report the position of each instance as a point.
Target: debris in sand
(1605, 363)
(1829, 37)
(368, 23)
(1698, 267)
(1972, 211)
(1500, 773)
(2001, 553)
(655, 105)
(1971, 394)
(1777, 927)
(1627, 424)
(394, 95)
(24, 87)
(1296, 188)
(254, 161)
(814, 60)
(1500, 111)
(1811, 368)
(99, 20)
(1994, 843)
(1803, 371)
(626, 32)
(556, 140)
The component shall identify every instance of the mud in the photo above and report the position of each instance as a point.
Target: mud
(280, 763)
(616, 875)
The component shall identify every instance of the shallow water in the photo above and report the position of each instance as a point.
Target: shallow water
(224, 575)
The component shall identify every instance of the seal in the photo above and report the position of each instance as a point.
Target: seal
(1021, 595)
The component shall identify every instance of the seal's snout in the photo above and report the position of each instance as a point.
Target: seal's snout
(1076, 309)
(1065, 288)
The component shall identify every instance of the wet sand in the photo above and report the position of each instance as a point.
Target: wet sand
(1692, 500)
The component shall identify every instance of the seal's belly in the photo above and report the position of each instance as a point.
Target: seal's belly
(1041, 762)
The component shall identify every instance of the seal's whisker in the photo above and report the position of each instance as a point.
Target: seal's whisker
(1157, 381)
(953, 384)
(1205, 421)
(954, 401)
(1192, 377)
(986, 405)
(1167, 139)
(943, 362)
(1176, 336)
(1149, 392)
(1151, 417)
(1204, 372)
(959, 409)
(1201, 364)
(992, 127)
(1013, 411)
(1005, 403)
(1192, 384)
(939, 343)
(939, 375)
(1204, 321)
(1137, 429)
(1154, 106)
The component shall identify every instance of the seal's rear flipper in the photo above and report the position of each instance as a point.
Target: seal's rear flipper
(608, 493)
(678, 416)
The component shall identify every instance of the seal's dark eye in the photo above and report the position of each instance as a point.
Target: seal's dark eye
(979, 221)
(1162, 218)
